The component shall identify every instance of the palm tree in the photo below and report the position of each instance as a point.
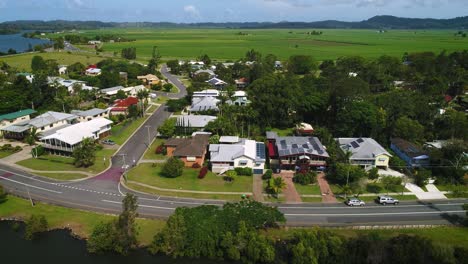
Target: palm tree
(276, 185)
(346, 190)
(142, 95)
(32, 136)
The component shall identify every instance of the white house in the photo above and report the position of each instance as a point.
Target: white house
(206, 93)
(365, 152)
(233, 152)
(200, 104)
(93, 72)
(62, 69)
(194, 122)
(90, 114)
(94, 42)
(69, 84)
(239, 98)
(64, 141)
(210, 73)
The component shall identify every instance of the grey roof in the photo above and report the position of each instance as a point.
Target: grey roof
(16, 128)
(204, 104)
(111, 89)
(229, 139)
(49, 118)
(215, 81)
(90, 112)
(362, 148)
(210, 72)
(195, 120)
(288, 146)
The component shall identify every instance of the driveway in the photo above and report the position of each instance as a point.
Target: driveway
(290, 193)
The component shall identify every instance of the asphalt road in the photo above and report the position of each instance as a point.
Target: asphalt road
(104, 193)
(175, 81)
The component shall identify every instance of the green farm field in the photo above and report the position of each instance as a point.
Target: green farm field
(228, 44)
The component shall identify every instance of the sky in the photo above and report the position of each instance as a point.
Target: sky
(189, 11)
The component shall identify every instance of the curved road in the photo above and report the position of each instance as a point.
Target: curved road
(104, 192)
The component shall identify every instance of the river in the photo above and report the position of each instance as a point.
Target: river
(59, 247)
(18, 42)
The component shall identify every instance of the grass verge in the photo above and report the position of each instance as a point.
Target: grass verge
(62, 176)
(150, 153)
(307, 189)
(122, 131)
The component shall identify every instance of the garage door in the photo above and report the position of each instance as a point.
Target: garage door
(257, 171)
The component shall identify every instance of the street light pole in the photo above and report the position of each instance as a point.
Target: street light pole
(149, 142)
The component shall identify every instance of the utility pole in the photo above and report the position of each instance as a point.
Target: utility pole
(149, 140)
(29, 195)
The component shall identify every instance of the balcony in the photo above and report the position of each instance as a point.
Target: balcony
(49, 146)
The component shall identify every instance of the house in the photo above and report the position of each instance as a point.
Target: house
(65, 140)
(121, 106)
(109, 92)
(241, 83)
(69, 84)
(365, 152)
(210, 73)
(296, 153)
(14, 118)
(228, 64)
(123, 76)
(200, 104)
(136, 89)
(233, 152)
(187, 124)
(62, 69)
(44, 124)
(27, 75)
(217, 83)
(239, 98)
(196, 65)
(93, 72)
(94, 42)
(278, 65)
(189, 150)
(206, 93)
(90, 114)
(304, 129)
(410, 153)
(149, 79)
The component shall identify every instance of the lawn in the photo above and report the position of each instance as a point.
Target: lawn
(23, 61)
(59, 163)
(308, 189)
(122, 131)
(4, 154)
(147, 174)
(311, 199)
(227, 44)
(150, 154)
(81, 222)
(375, 188)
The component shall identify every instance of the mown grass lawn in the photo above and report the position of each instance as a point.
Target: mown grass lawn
(81, 222)
(307, 189)
(147, 174)
(121, 132)
(62, 176)
(4, 154)
(150, 154)
(59, 163)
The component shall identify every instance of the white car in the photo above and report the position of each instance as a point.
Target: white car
(355, 202)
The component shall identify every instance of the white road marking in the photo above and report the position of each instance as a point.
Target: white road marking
(28, 177)
(118, 188)
(379, 214)
(141, 205)
(369, 207)
(29, 185)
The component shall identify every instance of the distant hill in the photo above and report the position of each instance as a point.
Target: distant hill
(376, 22)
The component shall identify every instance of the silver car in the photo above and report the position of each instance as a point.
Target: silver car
(355, 202)
(384, 200)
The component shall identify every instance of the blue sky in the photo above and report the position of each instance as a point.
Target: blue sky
(226, 10)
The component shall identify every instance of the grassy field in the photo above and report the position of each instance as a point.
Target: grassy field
(23, 61)
(227, 44)
(308, 189)
(81, 222)
(145, 173)
(150, 153)
(58, 163)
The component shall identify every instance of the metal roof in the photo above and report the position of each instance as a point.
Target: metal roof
(194, 120)
(362, 148)
(17, 114)
(90, 112)
(288, 146)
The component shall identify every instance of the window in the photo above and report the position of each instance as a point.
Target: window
(243, 162)
(51, 125)
(191, 158)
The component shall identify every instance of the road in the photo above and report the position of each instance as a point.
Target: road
(175, 81)
(104, 193)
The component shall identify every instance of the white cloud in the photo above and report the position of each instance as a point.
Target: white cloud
(192, 12)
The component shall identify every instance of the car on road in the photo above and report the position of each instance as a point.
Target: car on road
(384, 200)
(355, 202)
(108, 142)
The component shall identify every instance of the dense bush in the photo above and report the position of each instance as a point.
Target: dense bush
(202, 172)
(244, 171)
(305, 178)
(38, 151)
(373, 174)
(421, 177)
(35, 224)
(10, 148)
(267, 175)
(173, 168)
(161, 150)
(196, 165)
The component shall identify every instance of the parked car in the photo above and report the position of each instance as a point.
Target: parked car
(108, 142)
(387, 200)
(355, 202)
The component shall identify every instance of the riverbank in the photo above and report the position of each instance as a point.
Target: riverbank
(81, 223)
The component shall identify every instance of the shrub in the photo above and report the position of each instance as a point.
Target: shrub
(202, 172)
(373, 174)
(161, 149)
(267, 175)
(38, 151)
(173, 168)
(196, 165)
(305, 178)
(35, 224)
(244, 171)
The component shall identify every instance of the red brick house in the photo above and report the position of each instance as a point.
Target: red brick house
(189, 150)
(120, 106)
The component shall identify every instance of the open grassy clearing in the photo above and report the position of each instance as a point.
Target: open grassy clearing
(23, 61)
(227, 44)
(59, 163)
(147, 174)
(81, 222)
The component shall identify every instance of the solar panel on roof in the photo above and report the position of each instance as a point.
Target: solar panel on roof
(294, 151)
(283, 144)
(354, 144)
(320, 152)
(360, 140)
(305, 146)
(294, 146)
(261, 150)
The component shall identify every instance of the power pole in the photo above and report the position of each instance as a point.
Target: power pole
(149, 141)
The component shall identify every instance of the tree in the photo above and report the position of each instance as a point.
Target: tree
(38, 64)
(168, 128)
(373, 174)
(253, 55)
(276, 185)
(391, 183)
(85, 154)
(142, 96)
(230, 175)
(129, 53)
(172, 168)
(121, 95)
(174, 66)
(133, 111)
(32, 137)
(409, 129)
(301, 64)
(59, 44)
(168, 87)
(3, 195)
(35, 224)
(102, 238)
(421, 177)
(205, 58)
